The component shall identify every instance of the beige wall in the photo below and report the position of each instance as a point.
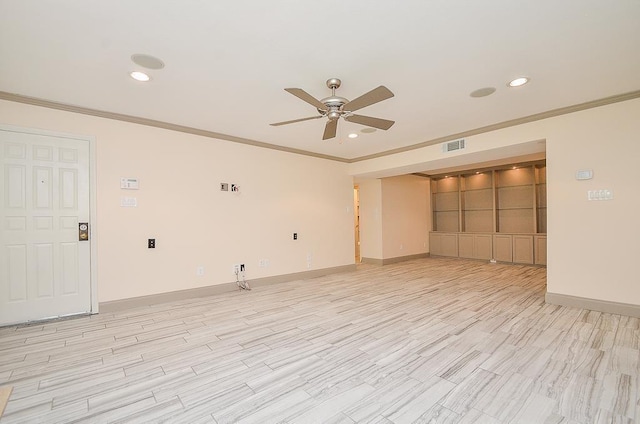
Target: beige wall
(371, 219)
(405, 216)
(394, 217)
(593, 246)
(195, 224)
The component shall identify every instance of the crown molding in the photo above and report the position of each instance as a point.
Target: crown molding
(158, 124)
(211, 134)
(506, 124)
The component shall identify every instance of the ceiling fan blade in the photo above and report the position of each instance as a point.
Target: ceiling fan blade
(374, 96)
(303, 95)
(294, 121)
(330, 130)
(382, 124)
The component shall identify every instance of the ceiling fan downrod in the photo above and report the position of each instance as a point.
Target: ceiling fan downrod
(333, 103)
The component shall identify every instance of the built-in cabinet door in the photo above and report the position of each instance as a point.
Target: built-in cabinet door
(523, 249)
(435, 244)
(465, 246)
(482, 246)
(443, 244)
(502, 250)
(540, 250)
(475, 246)
(450, 244)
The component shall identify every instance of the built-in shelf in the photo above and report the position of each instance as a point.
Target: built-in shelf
(446, 204)
(506, 206)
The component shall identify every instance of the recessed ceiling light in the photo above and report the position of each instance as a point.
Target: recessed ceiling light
(368, 130)
(483, 92)
(352, 135)
(140, 76)
(518, 82)
(147, 61)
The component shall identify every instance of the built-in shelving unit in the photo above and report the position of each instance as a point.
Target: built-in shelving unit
(498, 213)
(515, 200)
(541, 198)
(446, 204)
(477, 202)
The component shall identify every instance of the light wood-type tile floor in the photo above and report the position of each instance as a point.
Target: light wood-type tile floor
(427, 341)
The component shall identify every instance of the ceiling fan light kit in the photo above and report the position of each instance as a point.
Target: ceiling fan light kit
(336, 107)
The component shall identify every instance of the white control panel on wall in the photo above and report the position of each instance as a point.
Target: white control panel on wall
(129, 183)
(600, 194)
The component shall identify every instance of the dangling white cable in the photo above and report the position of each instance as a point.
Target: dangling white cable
(242, 285)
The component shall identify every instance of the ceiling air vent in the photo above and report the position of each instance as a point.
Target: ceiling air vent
(450, 146)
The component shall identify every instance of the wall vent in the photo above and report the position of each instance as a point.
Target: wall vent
(450, 146)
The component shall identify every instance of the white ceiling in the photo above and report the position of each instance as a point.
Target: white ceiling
(227, 62)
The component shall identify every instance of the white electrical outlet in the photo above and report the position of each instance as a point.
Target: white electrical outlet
(200, 271)
(236, 269)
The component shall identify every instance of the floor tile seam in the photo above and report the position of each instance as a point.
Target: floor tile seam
(18, 411)
(37, 377)
(69, 383)
(170, 354)
(399, 404)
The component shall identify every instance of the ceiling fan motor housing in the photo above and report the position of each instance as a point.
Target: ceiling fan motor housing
(333, 106)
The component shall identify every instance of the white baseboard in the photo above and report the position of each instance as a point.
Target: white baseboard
(387, 261)
(593, 304)
(154, 299)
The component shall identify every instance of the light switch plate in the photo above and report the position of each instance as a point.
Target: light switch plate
(129, 183)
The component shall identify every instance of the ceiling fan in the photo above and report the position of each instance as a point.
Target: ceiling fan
(335, 107)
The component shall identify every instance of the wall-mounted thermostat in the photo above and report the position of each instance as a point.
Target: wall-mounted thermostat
(129, 183)
(584, 174)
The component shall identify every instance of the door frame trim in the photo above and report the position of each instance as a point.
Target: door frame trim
(93, 263)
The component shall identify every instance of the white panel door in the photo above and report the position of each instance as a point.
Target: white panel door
(44, 268)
